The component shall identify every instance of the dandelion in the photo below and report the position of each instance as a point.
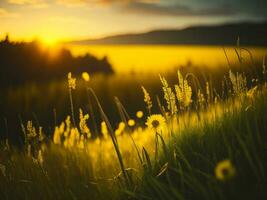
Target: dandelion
(71, 81)
(85, 76)
(224, 170)
(156, 122)
(147, 99)
(139, 114)
(131, 122)
(168, 96)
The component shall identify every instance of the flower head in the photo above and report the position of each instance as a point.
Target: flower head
(104, 129)
(83, 124)
(156, 122)
(85, 76)
(139, 114)
(224, 170)
(131, 122)
(71, 81)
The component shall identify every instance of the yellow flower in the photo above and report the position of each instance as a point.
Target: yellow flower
(147, 99)
(57, 136)
(83, 125)
(120, 129)
(104, 129)
(131, 122)
(139, 114)
(85, 76)
(31, 130)
(121, 126)
(224, 170)
(71, 81)
(156, 122)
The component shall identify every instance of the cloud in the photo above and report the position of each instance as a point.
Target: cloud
(33, 3)
(100, 2)
(175, 10)
(6, 14)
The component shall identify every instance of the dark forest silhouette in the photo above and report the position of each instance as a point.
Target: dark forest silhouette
(22, 62)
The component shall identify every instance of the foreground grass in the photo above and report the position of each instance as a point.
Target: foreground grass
(191, 159)
(184, 168)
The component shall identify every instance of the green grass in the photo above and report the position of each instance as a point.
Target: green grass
(192, 157)
(177, 161)
(185, 169)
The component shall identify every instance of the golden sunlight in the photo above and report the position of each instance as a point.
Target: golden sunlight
(49, 41)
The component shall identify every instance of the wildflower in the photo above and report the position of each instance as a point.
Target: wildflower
(239, 82)
(62, 126)
(224, 170)
(104, 129)
(168, 96)
(31, 132)
(57, 136)
(97, 141)
(200, 99)
(147, 99)
(156, 122)
(121, 126)
(81, 143)
(120, 129)
(74, 137)
(183, 91)
(85, 76)
(117, 132)
(71, 81)
(139, 114)
(82, 124)
(41, 134)
(131, 122)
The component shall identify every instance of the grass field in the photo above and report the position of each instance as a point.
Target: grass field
(193, 143)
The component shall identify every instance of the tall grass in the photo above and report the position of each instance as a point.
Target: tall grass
(198, 143)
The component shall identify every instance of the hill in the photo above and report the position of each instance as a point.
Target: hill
(250, 34)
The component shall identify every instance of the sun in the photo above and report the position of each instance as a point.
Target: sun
(49, 41)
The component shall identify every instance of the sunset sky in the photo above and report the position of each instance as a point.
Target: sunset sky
(68, 19)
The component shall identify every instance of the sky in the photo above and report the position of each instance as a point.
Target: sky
(52, 20)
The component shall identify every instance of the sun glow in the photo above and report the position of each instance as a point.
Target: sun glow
(49, 41)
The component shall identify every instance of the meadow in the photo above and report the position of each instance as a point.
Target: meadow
(185, 134)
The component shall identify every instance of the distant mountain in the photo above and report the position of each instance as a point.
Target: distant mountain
(249, 33)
